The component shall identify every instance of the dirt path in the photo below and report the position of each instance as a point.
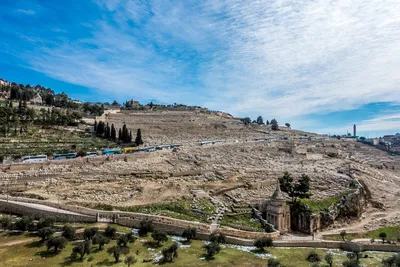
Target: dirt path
(18, 242)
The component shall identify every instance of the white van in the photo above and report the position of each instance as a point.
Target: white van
(31, 159)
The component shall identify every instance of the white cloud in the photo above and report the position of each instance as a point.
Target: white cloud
(283, 59)
(26, 11)
(376, 126)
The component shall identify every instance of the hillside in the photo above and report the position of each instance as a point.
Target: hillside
(246, 170)
(166, 127)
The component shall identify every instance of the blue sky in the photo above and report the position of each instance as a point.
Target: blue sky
(320, 65)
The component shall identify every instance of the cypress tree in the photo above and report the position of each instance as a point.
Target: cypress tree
(120, 135)
(125, 134)
(107, 134)
(130, 136)
(95, 126)
(139, 140)
(113, 133)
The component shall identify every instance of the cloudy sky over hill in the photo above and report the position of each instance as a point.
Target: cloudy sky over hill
(320, 65)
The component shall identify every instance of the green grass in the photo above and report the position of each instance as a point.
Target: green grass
(41, 141)
(178, 210)
(324, 204)
(34, 254)
(393, 232)
(119, 228)
(242, 220)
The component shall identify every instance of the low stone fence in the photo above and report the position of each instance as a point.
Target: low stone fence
(246, 234)
(118, 216)
(16, 208)
(338, 245)
(169, 228)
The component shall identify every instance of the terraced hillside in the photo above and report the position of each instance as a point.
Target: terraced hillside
(245, 171)
(166, 127)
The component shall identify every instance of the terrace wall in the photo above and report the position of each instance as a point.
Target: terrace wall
(37, 213)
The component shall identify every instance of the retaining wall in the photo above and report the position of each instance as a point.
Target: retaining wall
(37, 213)
(338, 245)
(246, 234)
(175, 226)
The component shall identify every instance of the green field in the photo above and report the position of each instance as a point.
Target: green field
(25, 250)
(50, 141)
(178, 210)
(243, 220)
(392, 232)
(324, 204)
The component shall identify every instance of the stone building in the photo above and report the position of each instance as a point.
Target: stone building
(277, 211)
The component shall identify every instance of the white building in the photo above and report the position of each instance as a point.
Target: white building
(4, 82)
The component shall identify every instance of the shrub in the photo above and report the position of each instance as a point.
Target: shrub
(218, 238)
(212, 249)
(160, 237)
(273, 263)
(145, 227)
(343, 235)
(263, 242)
(189, 234)
(82, 249)
(24, 223)
(393, 261)
(89, 233)
(45, 222)
(68, 232)
(130, 260)
(58, 242)
(116, 251)
(124, 239)
(5, 222)
(383, 236)
(170, 253)
(45, 233)
(100, 240)
(313, 256)
(110, 232)
(329, 259)
(269, 228)
(351, 263)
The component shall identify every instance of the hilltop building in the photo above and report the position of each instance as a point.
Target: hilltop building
(4, 82)
(37, 100)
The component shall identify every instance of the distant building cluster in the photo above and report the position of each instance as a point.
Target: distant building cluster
(4, 82)
(389, 142)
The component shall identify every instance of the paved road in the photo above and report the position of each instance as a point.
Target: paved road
(42, 207)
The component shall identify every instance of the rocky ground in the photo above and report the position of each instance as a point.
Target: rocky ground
(247, 167)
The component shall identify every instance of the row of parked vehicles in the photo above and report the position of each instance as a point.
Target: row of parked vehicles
(104, 152)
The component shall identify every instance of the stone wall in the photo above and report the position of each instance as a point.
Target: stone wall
(338, 245)
(37, 213)
(246, 234)
(169, 228)
(314, 156)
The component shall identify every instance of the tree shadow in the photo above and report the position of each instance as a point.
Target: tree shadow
(30, 234)
(35, 244)
(152, 244)
(205, 256)
(106, 262)
(259, 251)
(46, 254)
(10, 234)
(68, 261)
